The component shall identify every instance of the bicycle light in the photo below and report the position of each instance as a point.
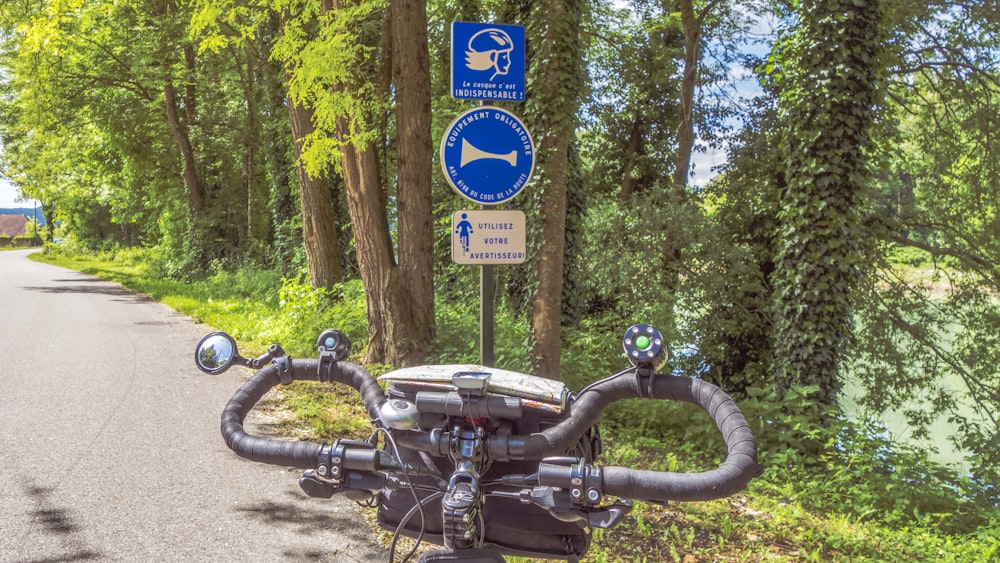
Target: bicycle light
(331, 340)
(643, 345)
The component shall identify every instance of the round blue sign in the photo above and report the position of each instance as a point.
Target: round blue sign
(487, 155)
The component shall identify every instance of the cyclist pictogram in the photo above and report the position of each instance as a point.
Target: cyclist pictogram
(463, 229)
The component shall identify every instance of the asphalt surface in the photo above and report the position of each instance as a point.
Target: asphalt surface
(109, 439)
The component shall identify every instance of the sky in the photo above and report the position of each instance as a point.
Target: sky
(9, 195)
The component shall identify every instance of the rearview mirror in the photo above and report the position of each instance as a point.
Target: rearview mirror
(216, 353)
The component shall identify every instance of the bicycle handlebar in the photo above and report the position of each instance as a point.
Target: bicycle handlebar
(732, 476)
(739, 467)
(303, 455)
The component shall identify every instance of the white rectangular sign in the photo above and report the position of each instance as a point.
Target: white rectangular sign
(488, 237)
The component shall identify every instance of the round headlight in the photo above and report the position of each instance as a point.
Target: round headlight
(643, 345)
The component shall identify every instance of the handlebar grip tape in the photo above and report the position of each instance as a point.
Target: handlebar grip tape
(303, 455)
(739, 467)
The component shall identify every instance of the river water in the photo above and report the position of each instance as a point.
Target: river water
(938, 445)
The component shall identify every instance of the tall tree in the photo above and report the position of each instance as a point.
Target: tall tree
(173, 45)
(691, 26)
(557, 71)
(352, 98)
(414, 156)
(320, 230)
(927, 343)
(829, 86)
(225, 24)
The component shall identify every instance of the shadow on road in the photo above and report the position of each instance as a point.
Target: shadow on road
(91, 286)
(309, 522)
(52, 520)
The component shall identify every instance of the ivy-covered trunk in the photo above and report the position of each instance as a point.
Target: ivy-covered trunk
(829, 83)
(414, 155)
(557, 72)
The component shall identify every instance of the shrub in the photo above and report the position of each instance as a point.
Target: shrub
(909, 256)
(815, 455)
(304, 311)
(25, 241)
(456, 338)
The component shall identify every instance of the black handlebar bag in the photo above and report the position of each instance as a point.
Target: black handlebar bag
(507, 525)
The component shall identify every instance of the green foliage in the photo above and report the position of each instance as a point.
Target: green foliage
(333, 70)
(909, 256)
(254, 305)
(304, 311)
(25, 241)
(457, 337)
(924, 343)
(865, 475)
(829, 83)
(634, 287)
(85, 130)
(329, 411)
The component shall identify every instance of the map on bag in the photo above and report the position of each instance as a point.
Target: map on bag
(537, 392)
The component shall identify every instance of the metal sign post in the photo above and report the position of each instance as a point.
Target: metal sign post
(487, 315)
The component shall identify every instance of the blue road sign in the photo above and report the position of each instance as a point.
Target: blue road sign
(487, 155)
(487, 61)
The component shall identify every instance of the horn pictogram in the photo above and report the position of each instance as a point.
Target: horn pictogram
(471, 153)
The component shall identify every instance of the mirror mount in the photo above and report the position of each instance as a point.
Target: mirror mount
(217, 352)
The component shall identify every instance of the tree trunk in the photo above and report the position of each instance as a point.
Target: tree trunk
(389, 340)
(399, 298)
(411, 71)
(320, 231)
(281, 201)
(546, 315)
(691, 25)
(835, 55)
(190, 100)
(250, 136)
(557, 102)
(632, 153)
(196, 192)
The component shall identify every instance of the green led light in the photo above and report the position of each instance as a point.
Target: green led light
(642, 342)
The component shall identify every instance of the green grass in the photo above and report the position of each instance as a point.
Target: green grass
(831, 491)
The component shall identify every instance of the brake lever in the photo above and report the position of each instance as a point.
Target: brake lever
(610, 516)
(559, 503)
(556, 502)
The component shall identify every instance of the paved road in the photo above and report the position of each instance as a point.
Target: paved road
(110, 446)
